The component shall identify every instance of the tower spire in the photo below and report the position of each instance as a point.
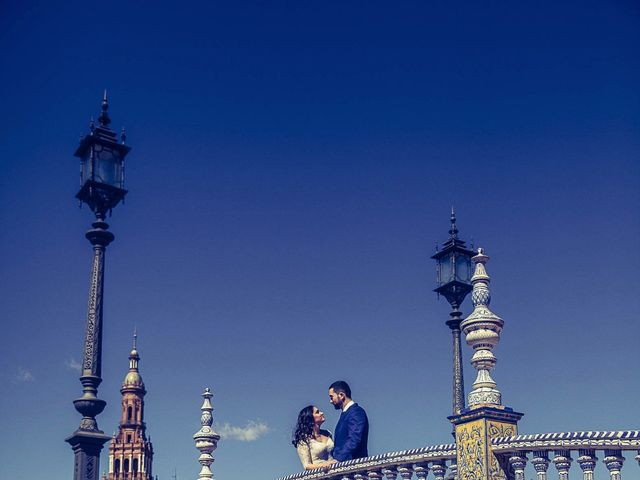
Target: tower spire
(133, 378)
(131, 452)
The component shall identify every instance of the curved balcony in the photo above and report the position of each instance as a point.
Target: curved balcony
(526, 456)
(440, 459)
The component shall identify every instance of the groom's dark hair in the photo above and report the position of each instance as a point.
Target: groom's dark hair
(341, 386)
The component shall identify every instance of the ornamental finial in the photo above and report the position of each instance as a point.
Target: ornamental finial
(453, 231)
(482, 329)
(104, 116)
(206, 438)
(133, 379)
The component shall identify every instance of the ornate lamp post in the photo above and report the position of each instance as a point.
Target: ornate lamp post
(453, 277)
(101, 188)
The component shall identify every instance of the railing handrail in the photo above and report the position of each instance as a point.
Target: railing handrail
(594, 440)
(377, 462)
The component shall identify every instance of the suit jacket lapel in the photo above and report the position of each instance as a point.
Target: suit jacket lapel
(339, 424)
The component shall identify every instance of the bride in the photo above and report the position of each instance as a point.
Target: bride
(313, 444)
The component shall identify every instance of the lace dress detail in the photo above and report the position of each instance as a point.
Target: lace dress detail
(315, 451)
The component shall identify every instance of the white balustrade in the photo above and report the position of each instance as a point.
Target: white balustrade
(587, 461)
(406, 472)
(613, 460)
(421, 470)
(453, 471)
(439, 469)
(390, 473)
(518, 463)
(375, 475)
(540, 462)
(525, 456)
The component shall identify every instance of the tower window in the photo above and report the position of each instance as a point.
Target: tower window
(117, 466)
(128, 438)
(129, 413)
(126, 465)
(135, 465)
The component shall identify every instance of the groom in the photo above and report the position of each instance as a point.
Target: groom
(352, 430)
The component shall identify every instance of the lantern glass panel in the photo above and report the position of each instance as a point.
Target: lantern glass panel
(463, 268)
(108, 166)
(445, 265)
(86, 168)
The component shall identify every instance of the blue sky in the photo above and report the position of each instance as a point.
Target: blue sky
(293, 165)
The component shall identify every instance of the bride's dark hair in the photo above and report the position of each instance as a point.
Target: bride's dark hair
(304, 427)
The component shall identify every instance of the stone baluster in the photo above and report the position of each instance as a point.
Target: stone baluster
(390, 473)
(360, 476)
(540, 462)
(206, 438)
(406, 472)
(562, 460)
(421, 470)
(374, 475)
(613, 460)
(587, 461)
(518, 463)
(453, 470)
(439, 469)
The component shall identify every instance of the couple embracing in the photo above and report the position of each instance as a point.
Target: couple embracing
(316, 447)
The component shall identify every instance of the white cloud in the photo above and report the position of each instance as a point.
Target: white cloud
(252, 431)
(73, 364)
(24, 375)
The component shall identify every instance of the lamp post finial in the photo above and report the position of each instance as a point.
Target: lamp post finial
(104, 116)
(453, 231)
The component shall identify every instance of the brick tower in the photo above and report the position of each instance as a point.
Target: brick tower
(130, 452)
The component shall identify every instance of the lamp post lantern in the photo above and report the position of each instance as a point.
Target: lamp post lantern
(453, 266)
(101, 188)
(102, 165)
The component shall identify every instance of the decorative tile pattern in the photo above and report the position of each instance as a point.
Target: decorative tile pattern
(496, 429)
(472, 450)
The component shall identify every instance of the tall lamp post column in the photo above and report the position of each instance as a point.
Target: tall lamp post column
(101, 188)
(453, 277)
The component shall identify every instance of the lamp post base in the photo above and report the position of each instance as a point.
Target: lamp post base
(86, 447)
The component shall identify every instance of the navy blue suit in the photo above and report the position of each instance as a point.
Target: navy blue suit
(352, 433)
